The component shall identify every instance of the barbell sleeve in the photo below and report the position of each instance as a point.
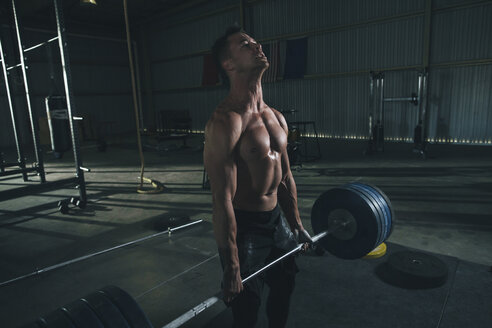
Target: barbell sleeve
(190, 314)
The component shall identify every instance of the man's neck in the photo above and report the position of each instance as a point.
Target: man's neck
(247, 92)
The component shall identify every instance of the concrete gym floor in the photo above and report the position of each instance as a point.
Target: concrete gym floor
(443, 206)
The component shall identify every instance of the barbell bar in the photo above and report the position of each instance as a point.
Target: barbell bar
(169, 231)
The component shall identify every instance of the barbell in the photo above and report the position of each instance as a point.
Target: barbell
(348, 221)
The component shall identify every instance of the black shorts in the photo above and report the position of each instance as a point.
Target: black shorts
(261, 238)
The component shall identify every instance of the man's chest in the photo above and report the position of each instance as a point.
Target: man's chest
(262, 136)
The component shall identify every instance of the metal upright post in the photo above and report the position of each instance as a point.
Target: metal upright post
(371, 102)
(424, 106)
(418, 138)
(419, 92)
(377, 121)
(381, 111)
(34, 123)
(20, 153)
(377, 94)
(139, 88)
(371, 137)
(67, 78)
(381, 98)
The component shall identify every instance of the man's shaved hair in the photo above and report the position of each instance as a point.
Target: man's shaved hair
(220, 50)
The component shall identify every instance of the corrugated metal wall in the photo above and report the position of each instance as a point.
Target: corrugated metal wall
(460, 103)
(346, 39)
(272, 18)
(101, 82)
(349, 38)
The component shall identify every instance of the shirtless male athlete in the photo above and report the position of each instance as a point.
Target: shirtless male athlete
(246, 159)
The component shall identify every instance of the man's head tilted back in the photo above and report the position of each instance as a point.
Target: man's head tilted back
(220, 50)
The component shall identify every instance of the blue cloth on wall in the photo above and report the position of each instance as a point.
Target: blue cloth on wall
(296, 58)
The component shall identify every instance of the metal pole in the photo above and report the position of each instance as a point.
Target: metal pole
(34, 123)
(371, 96)
(171, 230)
(426, 64)
(88, 256)
(134, 92)
(398, 99)
(289, 253)
(424, 105)
(41, 44)
(14, 66)
(20, 153)
(67, 78)
(376, 99)
(427, 33)
(370, 135)
(139, 88)
(381, 99)
(381, 113)
(190, 314)
(419, 95)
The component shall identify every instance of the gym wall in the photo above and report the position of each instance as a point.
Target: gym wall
(346, 40)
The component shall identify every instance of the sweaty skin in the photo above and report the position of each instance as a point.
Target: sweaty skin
(245, 155)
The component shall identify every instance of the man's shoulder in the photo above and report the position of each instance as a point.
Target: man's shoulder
(280, 117)
(274, 111)
(224, 121)
(224, 115)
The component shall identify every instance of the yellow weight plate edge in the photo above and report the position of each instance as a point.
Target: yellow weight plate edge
(378, 252)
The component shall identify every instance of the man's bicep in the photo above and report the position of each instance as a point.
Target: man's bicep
(222, 174)
(221, 169)
(285, 162)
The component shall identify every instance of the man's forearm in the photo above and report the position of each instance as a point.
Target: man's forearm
(287, 198)
(225, 233)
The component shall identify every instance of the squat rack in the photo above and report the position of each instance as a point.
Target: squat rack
(377, 100)
(38, 166)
